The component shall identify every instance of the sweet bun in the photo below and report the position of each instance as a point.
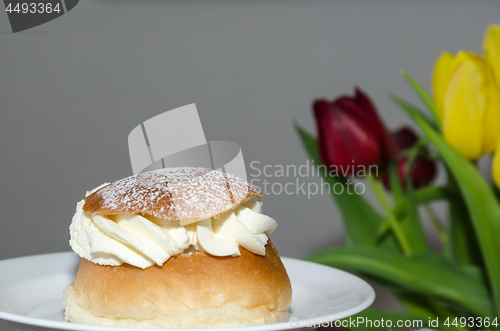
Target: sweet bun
(189, 290)
(193, 288)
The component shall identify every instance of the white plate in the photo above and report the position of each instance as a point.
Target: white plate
(31, 294)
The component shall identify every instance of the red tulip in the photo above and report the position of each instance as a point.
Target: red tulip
(350, 132)
(423, 170)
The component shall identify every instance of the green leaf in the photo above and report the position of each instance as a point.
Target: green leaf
(410, 109)
(400, 200)
(462, 247)
(423, 195)
(481, 203)
(310, 143)
(417, 304)
(361, 220)
(421, 307)
(497, 191)
(426, 309)
(396, 187)
(419, 241)
(427, 275)
(424, 96)
(400, 235)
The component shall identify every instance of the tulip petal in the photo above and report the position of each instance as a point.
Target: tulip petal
(491, 122)
(491, 47)
(358, 142)
(464, 106)
(373, 119)
(365, 103)
(442, 73)
(344, 139)
(423, 172)
(404, 138)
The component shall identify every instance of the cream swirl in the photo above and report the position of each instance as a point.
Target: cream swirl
(143, 240)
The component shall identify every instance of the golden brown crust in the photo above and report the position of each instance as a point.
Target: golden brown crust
(172, 194)
(185, 282)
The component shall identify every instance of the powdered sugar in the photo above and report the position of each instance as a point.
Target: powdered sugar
(172, 193)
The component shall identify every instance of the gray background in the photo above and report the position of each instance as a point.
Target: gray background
(74, 88)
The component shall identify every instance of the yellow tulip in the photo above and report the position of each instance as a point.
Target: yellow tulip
(492, 54)
(492, 48)
(467, 98)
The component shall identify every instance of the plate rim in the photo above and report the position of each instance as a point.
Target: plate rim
(56, 325)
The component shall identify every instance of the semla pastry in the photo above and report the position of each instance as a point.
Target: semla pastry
(176, 247)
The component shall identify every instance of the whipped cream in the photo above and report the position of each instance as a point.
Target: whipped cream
(144, 240)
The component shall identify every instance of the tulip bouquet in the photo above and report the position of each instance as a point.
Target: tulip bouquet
(459, 285)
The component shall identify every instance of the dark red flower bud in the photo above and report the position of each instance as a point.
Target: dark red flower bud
(350, 132)
(403, 139)
(423, 170)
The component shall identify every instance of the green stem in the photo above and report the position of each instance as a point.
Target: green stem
(424, 96)
(427, 194)
(423, 195)
(380, 194)
(443, 235)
